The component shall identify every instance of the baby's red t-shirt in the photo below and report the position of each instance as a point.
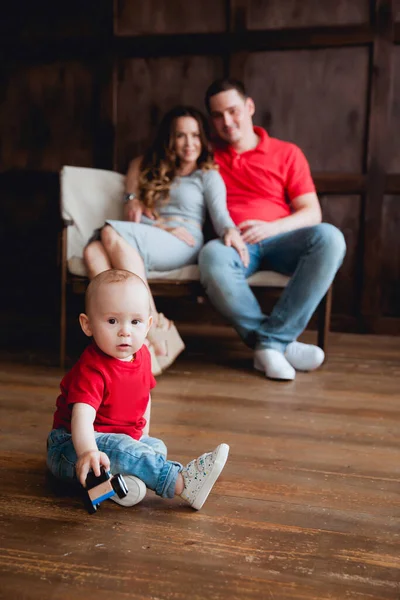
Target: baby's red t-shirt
(117, 390)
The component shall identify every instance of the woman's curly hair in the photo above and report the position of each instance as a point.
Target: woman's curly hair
(160, 163)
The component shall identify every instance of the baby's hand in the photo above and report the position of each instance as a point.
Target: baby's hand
(92, 459)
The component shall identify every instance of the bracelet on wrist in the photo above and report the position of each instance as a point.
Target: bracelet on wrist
(128, 197)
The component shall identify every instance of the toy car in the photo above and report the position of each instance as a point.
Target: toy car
(102, 487)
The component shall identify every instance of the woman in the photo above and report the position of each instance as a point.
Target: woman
(167, 193)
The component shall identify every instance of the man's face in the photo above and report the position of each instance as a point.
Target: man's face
(231, 115)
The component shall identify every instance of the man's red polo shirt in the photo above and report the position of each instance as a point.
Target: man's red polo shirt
(262, 182)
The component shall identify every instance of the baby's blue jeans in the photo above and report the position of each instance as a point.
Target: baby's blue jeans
(145, 458)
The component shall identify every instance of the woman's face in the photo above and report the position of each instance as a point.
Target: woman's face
(187, 142)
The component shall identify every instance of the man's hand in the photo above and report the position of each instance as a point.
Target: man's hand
(92, 459)
(306, 212)
(233, 238)
(181, 233)
(254, 231)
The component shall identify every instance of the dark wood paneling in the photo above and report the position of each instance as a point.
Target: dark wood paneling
(47, 117)
(390, 257)
(339, 183)
(379, 133)
(275, 14)
(135, 17)
(316, 99)
(47, 19)
(148, 88)
(393, 164)
(29, 226)
(237, 15)
(55, 98)
(238, 40)
(381, 326)
(345, 213)
(392, 184)
(183, 44)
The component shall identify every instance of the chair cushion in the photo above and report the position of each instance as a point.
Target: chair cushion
(88, 198)
(76, 266)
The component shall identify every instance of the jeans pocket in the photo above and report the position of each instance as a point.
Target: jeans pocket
(58, 437)
(61, 466)
(61, 455)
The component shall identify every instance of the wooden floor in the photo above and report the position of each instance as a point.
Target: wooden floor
(308, 506)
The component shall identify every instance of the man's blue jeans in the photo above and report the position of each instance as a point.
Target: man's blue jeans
(145, 458)
(311, 256)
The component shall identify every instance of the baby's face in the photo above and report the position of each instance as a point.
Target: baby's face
(119, 318)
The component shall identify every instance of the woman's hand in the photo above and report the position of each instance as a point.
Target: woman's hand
(133, 210)
(233, 238)
(181, 233)
(92, 459)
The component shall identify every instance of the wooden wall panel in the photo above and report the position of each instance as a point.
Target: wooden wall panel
(49, 19)
(394, 142)
(396, 9)
(345, 213)
(315, 98)
(148, 88)
(29, 226)
(390, 257)
(276, 14)
(136, 17)
(59, 103)
(47, 117)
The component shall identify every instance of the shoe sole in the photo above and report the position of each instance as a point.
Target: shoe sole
(221, 458)
(135, 495)
(302, 370)
(262, 370)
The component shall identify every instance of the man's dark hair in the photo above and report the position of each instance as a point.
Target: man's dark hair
(223, 85)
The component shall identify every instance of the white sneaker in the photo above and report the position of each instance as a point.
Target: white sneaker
(136, 491)
(200, 475)
(273, 364)
(304, 357)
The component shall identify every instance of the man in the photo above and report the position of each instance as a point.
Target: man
(271, 198)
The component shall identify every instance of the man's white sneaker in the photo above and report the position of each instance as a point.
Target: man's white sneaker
(304, 357)
(200, 475)
(273, 364)
(136, 491)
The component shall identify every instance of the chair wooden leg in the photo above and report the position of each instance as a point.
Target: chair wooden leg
(324, 320)
(63, 307)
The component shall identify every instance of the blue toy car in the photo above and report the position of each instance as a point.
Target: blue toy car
(100, 488)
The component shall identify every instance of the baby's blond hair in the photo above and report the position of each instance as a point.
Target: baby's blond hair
(107, 277)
